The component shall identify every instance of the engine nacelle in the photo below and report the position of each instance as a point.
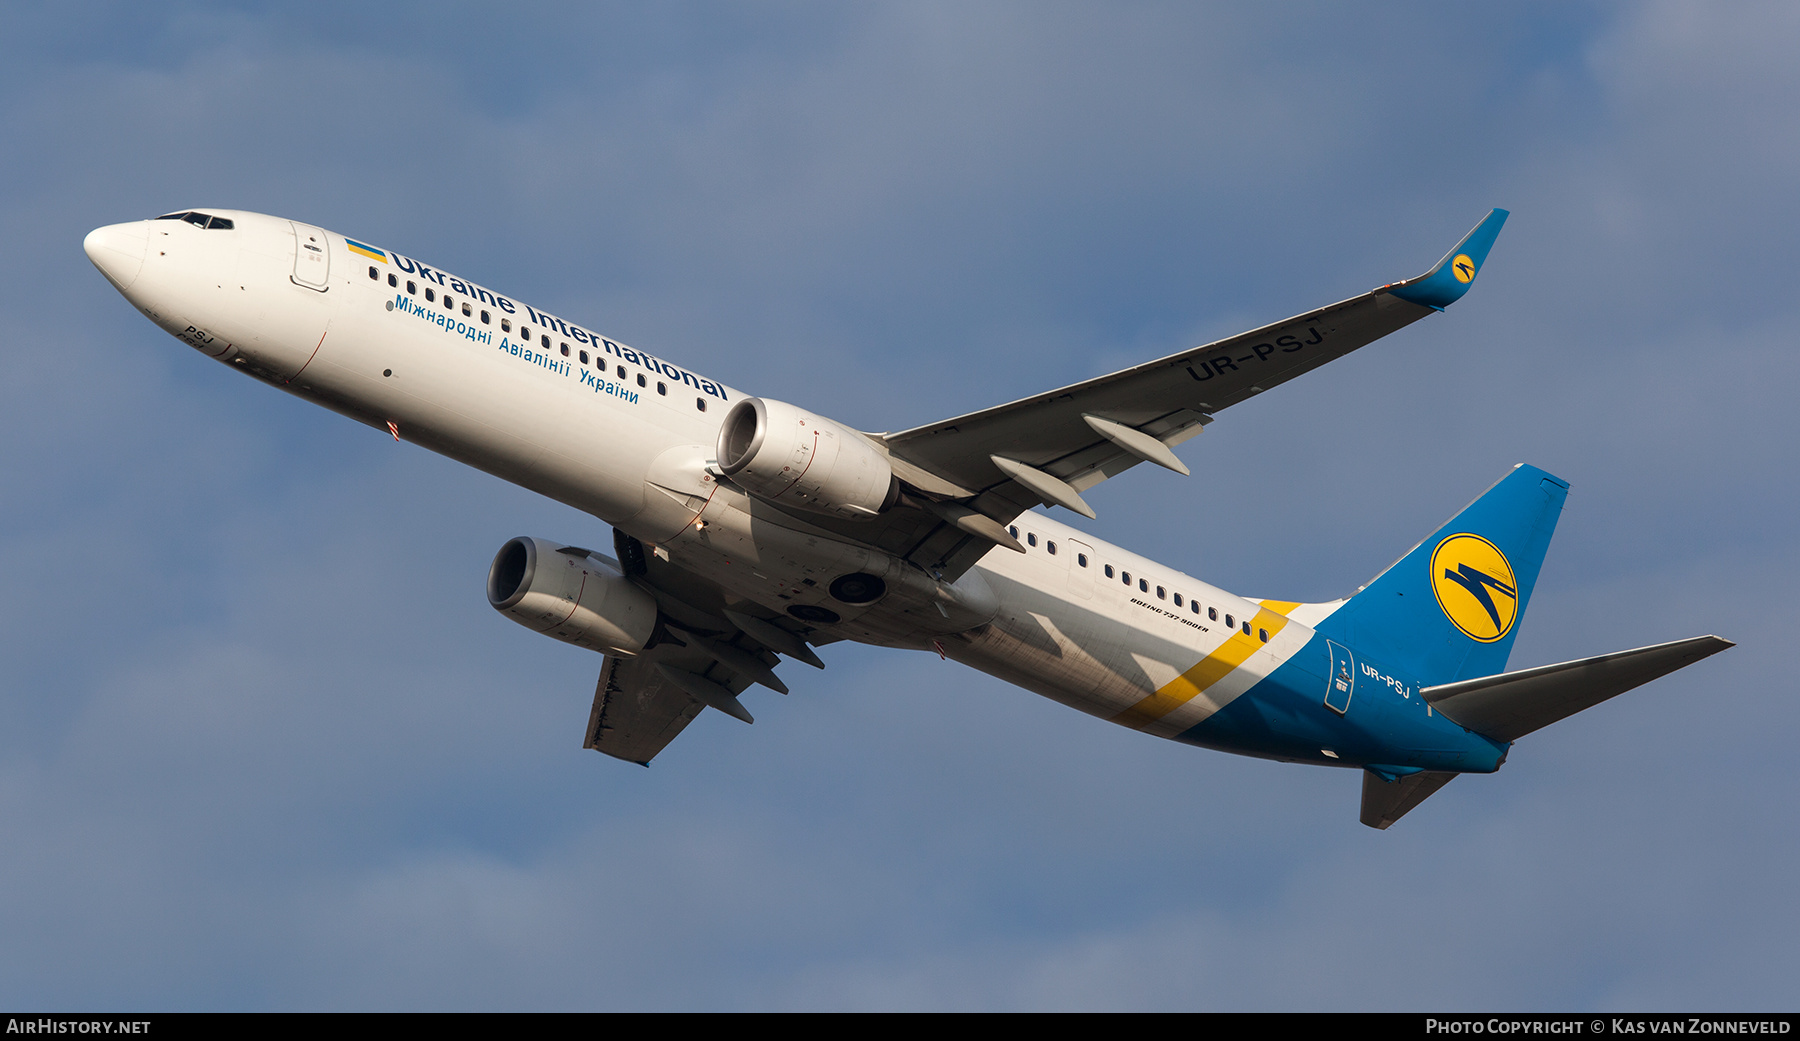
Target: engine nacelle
(564, 593)
(787, 455)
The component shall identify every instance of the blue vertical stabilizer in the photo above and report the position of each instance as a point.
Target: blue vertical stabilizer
(1449, 609)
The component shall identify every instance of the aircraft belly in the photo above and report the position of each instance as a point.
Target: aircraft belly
(1073, 652)
(1044, 660)
(775, 559)
(775, 564)
(1089, 654)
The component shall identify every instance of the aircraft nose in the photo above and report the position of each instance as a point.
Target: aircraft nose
(118, 251)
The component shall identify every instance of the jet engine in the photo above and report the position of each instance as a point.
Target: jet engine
(789, 456)
(566, 593)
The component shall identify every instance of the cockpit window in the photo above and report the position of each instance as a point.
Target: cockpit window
(204, 220)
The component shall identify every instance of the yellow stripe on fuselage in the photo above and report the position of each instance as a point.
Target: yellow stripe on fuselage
(1272, 615)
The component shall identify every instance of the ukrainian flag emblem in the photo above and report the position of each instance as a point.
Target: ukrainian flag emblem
(367, 251)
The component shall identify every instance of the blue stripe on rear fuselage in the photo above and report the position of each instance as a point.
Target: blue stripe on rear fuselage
(1284, 717)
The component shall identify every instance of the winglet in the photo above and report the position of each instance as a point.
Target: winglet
(1445, 284)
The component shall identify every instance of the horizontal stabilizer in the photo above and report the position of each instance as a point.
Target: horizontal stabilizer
(1384, 801)
(1510, 705)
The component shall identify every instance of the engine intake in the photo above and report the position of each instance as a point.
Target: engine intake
(787, 455)
(568, 594)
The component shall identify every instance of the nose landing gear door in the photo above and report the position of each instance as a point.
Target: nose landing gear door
(312, 257)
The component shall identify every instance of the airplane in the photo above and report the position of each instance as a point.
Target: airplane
(747, 528)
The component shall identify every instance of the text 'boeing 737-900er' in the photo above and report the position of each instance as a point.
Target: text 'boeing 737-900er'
(747, 528)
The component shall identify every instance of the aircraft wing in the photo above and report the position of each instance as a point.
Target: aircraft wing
(706, 653)
(1050, 447)
(637, 711)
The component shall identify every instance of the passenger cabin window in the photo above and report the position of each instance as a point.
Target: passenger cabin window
(1013, 531)
(1212, 614)
(621, 372)
(1125, 576)
(1195, 604)
(700, 403)
(506, 325)
(565, 350)
(584, 357)
(1050, 547)
(466, 309)
(412, 288)
(1230, 623)
(1143, 585)
(1177, 599)
(430, 293)
(1081, 559)
(449, 302)
(525, 333)
(1161, 593)
(1109, 571)
(484, 319)
(1246, 628)
(1031, 538)
(393, 279)
(661, 389)
(544, 341)
(1262, 634)
(374, 275)
(641, 382)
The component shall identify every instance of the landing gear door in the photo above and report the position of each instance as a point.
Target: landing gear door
(312, 257)
(1342, 681)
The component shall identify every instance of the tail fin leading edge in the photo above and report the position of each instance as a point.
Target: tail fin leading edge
(1450, 608)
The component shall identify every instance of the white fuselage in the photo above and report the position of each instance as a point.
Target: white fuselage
(630, 439)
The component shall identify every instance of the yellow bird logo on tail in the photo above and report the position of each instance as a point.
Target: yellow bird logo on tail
(1475, 586)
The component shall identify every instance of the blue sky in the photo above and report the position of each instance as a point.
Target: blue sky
(264, 745)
